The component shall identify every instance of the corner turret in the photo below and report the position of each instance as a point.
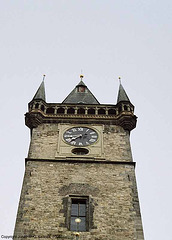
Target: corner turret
(40, 94)
(122, 96)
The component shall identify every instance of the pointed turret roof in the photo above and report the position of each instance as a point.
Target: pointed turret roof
(81, 83)
(81, 94)
(40, 94)
(122, 96)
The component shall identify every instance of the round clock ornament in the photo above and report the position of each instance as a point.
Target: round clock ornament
(80, 136)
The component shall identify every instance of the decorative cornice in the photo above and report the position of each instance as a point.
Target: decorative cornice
(121, 114)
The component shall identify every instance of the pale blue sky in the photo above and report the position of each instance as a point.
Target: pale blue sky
(107, 39)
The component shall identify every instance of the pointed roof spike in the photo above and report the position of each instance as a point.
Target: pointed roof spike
(122, 96)
(81, 95)
(40, 94)
(81, 83)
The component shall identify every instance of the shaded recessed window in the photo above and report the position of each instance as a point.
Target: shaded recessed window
(125, 107)
(60, 110)
(71, 111)
(81, 111)
(80, 151)
(42, 107)
(50, 110)
(120, 109)
(112, 112)
(101, 111)
(81, 89)
(91, 111)
(37, 105)
(78, 216)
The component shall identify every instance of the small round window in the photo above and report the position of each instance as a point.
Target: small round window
(80, 151)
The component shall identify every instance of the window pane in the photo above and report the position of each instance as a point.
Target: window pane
(82, 224)
(74, 210)
(73, 224)
(82, 210)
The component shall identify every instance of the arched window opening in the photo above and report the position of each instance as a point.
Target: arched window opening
(112, 112)
(125, 108)
(42, 108)
(91, 111)
(50, 110)
(81, 111)
(37, 105)
(71, 111)
(120, 109)
(80, 151)
(60, 110)
(101, 111)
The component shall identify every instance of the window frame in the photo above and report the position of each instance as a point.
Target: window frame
(87, 217)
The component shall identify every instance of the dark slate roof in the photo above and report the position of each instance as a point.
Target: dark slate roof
(81, 83)
(81, 97)
(122, 96)
(40, 94)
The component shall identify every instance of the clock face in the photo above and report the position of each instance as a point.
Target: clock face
(80, 136)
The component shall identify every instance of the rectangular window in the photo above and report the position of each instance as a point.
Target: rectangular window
(81, 89)
(79, 215)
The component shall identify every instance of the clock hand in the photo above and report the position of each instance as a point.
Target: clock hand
(76, 136)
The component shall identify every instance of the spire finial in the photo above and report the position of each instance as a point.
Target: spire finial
(81, 75)
(44, 76)
(119, 79)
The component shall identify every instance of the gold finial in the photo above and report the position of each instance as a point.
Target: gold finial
(44, 76)
(81, 76)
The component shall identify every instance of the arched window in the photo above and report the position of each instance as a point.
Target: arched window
(101, 111)
(120, 109)
(81, 111)
(60, 110)
(42, 108)
(71, 111)
(91, 111)
(50, 110)
(112, 111)
(125, 107)
(37, 105)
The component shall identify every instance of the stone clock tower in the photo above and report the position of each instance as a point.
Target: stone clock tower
(79, 181)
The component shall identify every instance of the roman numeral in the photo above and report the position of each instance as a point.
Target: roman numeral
(94, 136)
(80, 129)
(68, 132)
(67, 136)
(74, 129)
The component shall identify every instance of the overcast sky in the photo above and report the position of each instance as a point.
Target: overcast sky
(106, 39)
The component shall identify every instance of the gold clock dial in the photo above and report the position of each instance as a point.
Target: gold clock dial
(80, 136)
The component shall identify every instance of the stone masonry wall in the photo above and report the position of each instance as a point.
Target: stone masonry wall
(116, 143)
(44, 141)
(112, 188)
